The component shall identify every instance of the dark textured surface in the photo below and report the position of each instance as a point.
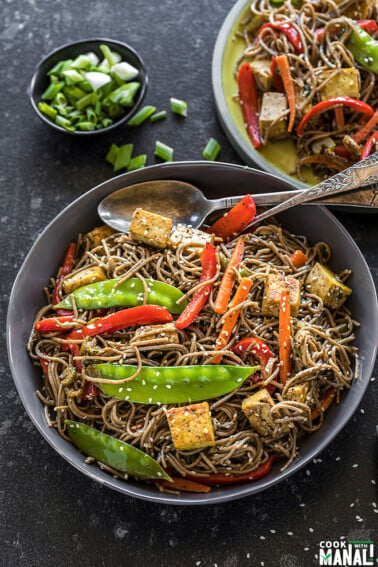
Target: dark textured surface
(50, 514)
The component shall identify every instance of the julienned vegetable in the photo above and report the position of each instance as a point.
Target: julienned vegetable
(283, 65)
(249, 103)
(235, 220)
(113, 452)
(364, 49)
(286, 28)
(66, 322)
(229, 276)
(87, 94)
(64, 271)
(223, 479)
(169, 384)
(284, 338)
(257, 348)
(130, 293)
(370, 145)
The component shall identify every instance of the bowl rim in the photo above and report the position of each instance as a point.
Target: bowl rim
(241, 490)
(120, 121)
(242, 147)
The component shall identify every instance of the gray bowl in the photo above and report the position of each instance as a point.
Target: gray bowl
(215, 179)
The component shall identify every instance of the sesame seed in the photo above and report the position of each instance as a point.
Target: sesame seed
(290, 533)
(262, 537)
(310, 530)
(355, 466)
(168, 386)
(272, 531)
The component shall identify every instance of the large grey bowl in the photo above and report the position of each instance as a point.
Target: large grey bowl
(215, 180)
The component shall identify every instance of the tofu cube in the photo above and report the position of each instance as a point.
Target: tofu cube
(97, 234)
(194, 238)
(274, 105)
(274, 285)
(162, 334)
(346, 82)
(358, 10)
(323, 282)
(150, 228)
(257, 409)
(87, 276)
(191, 427)
(262, 73)
(298, 393)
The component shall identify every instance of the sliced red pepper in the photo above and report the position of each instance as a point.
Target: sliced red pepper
(200, 297)
(298, 258)
(257, 348)
(286, 28)
(370, 145)
(249, 103)
(370, 26)
(362, 134)
(54, 324)
(277, 81)
(327, 161)
(341, 151)
(90, 391)
(64, 271)
(75, 349)
(45, 365)
(344, 101)
(236, 220)
(222, 479)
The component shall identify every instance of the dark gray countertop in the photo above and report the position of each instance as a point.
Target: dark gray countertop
(50, 514)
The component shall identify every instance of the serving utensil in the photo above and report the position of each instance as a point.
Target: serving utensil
(186, 204)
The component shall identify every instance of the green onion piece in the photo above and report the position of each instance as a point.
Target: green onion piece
(91, 115)
(72, 76)
(137, 162)
(60, 99)
(123, 157)
(82, 62)
(86, 101)
(141, 116)
(163, 151)
(64, 123)
(48, 110)
(179, 107)
(52, 90)
(106, 122)
(212, 150)
(112, 154)
(86, 126)
(111, 57)
(158, 116)
(124, 95)
(57, 69)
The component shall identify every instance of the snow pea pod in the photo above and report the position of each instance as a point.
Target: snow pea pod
(113, 452)
(170, 384)
(364, 49)
(128, 294)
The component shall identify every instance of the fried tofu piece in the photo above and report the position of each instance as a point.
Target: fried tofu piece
(359, 10)
(273, 107)
(257, 409)
(274, 286)
(298, 393)
(262, 73)
(97, 234)
(185, 235)
(87, 276)
(323, 282)
(346, 82)
(150, 228)
(191, 427)
(157, 333)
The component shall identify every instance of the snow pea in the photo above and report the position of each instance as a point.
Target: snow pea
(364, 49)
(128, 294)
(170, 384)
(113, 452)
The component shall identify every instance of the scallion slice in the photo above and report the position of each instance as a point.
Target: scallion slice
(212, 150)
(141, 116)
(48, 110)
(179, 107)
(163, 151)
(123, 157)
(158, 116)
(137, 162)
(52, 90)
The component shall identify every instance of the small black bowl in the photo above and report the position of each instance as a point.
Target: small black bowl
(40, 80)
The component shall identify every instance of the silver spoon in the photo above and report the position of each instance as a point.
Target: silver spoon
(185, 204)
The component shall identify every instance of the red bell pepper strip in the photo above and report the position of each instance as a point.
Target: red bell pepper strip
(341, 151)
(284, 67)
(286, 28)
(65, 269)
(325, 402)
(45, 365)
(90, 390)
(370, 145)
(249, 103)
(327, 161)
(362, 134)
(257, 348)
(222, 479)
(370, 26)
(284, 336)
(236, 220)
(298, 258)
(185, 485)
(345, 101)
(200, 297)
(75, 349)
(340, 119)
(277, 81)
(54, 324)
(227, 283)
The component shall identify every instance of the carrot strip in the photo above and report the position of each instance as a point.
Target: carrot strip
(339, 115)
(327, 161)
(282, 62)
(362, 134)
(230, 320)
(225, 289)
(298, 258)
(284, 336)
(185, 485)
(325, 402)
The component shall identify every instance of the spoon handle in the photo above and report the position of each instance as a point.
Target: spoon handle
(361, 173)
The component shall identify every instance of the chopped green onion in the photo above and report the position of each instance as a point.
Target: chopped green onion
(124, 71)
(163, 151)
(179, 107)
(158, 116)
(52, 90)
(123, 157)
(72, 76)
(47, 109)
(86, 101)
(64, 123)
(137, 162)
(112, 154)
(212, 150)
(111, 57)
(124, 95)
(106, 122)
(141, 116)
(86, 126)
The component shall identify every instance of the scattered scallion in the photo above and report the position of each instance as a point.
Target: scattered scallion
(112, 154)
(179, 107)
(48, 110)
(123, 157)
(212, 150)
(137, 162)
(158, 116)
(141, 116)
(163, 151)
